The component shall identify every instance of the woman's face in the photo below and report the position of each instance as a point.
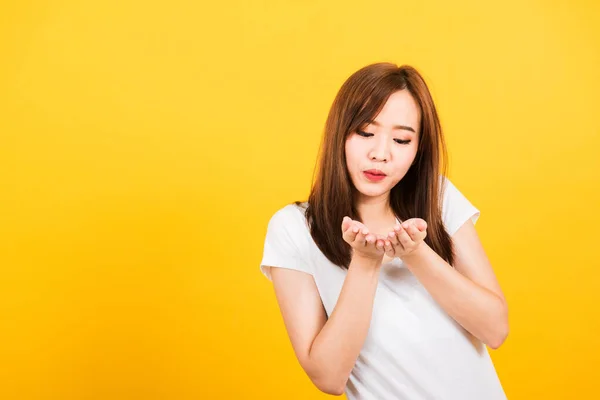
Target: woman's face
(388, 144)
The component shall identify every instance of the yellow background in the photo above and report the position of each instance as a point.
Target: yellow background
(145, 145)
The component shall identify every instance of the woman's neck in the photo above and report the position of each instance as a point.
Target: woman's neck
(377, 215)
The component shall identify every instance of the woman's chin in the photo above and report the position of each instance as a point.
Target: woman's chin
(372, 192)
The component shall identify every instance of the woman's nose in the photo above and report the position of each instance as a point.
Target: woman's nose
(381, 151)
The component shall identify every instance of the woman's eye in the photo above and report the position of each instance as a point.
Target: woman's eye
(367, 134)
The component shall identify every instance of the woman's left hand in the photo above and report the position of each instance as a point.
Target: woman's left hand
(406, 238)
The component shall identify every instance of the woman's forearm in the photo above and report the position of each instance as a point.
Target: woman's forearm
(477, 309)
(336, 348)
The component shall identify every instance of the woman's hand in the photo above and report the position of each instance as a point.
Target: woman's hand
(364, 244)
(406, 238)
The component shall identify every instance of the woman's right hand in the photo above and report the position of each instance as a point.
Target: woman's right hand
(364, 244)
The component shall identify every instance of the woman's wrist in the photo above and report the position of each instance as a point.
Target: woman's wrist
(365, 263)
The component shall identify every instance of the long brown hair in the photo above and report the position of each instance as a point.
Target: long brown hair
(417, 194)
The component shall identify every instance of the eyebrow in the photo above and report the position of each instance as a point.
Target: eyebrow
(402, 127)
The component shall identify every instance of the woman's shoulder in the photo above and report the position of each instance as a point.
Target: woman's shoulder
(287, 241)
(292, 209)
(456, 207)
(290, 215)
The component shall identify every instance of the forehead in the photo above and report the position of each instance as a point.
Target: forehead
(399, 109)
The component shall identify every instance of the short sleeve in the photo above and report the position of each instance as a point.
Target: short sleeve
(285, 242)
(456, 209)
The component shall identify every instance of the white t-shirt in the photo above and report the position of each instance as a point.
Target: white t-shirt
(414, 350)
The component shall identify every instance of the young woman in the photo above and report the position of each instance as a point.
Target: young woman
(383, 284)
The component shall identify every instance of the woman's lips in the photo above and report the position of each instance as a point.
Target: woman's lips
(373, 177)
